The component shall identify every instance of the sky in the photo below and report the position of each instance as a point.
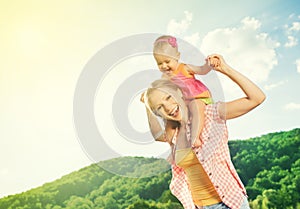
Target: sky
(47, 47)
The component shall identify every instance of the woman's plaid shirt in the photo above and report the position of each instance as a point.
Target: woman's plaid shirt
(214, 156)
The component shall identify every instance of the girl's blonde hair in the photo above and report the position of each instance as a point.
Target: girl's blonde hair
(165, 42)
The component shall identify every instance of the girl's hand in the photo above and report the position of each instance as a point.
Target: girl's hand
(217, 62)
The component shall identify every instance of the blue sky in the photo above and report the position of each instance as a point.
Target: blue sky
(46, 45)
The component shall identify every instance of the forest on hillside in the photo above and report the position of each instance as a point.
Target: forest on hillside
(268, 165)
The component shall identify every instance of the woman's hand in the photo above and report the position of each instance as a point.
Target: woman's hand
(253, 94)
(142, 98)
(217, 62)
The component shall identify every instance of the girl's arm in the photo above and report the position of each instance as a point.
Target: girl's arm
(253, 94)
(201, 70)
(196, 108)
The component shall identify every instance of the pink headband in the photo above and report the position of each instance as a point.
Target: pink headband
(172, 41)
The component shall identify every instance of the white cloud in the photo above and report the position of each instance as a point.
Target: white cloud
(274, 85)
(292, 106)
(293, 29)
(244, 47)
(178, 27)
(295, 26)
(298, 65)
(291, 33)
(193, 39)
(291, 16)
(292, 41)
(251, 23)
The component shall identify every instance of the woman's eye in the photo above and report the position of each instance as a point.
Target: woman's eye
(158, 108)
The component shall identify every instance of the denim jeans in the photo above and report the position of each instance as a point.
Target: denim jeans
(216, 206)
(221, 205)
(245, 204)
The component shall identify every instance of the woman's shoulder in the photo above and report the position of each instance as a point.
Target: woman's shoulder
(215, 110)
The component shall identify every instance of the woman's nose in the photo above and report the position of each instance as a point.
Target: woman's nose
(166, 106)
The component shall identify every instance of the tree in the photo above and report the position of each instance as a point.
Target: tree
(79, 203)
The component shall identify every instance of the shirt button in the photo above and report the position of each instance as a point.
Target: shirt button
(197, 153)
(217, 187)
(210, 174)
(223, 196)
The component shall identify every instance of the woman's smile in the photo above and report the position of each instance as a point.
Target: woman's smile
(165, 105)
(174, 112)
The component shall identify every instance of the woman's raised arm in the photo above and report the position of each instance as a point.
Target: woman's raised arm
(253, 94)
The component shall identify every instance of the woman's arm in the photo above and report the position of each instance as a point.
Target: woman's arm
(156, 130)
(159, 133)
(254, 95)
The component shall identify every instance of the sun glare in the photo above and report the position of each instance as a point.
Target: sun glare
(30, 40)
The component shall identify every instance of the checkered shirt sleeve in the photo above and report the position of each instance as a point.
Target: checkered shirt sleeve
(179, 187)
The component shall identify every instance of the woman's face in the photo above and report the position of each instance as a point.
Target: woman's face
(167, 104)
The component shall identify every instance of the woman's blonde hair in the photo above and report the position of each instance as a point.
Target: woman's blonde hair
(160, 84)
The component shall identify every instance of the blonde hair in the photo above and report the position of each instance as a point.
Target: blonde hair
(160, 84)
(170, 88)
(165, 43)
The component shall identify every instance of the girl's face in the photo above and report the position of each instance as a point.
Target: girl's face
(166, 64)
(167, 104)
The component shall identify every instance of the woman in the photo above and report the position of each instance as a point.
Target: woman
(204, 176)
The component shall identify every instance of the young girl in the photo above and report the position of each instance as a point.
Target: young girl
(195, 93)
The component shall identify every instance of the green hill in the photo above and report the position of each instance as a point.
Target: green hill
(268, 165)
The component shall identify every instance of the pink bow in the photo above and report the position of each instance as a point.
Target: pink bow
(172, 41)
